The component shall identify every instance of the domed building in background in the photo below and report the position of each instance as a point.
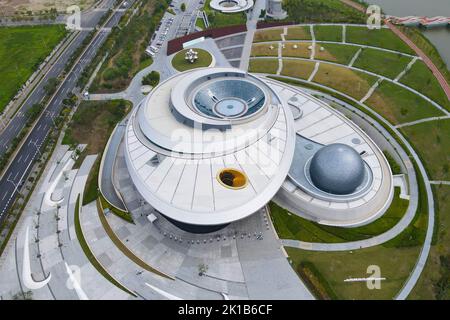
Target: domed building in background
(211, 146)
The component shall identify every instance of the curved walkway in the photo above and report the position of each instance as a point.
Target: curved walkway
(379, 76)
(420, 264)
(106, 174)
(437, 73)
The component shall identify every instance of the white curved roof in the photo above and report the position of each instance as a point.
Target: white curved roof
(183, 185)
(231, 6)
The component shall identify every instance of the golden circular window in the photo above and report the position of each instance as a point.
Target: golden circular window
(232, 178)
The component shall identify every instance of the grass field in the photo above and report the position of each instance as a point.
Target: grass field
(263, 65)
(291, 226)
(433, 282)
(383, 38)
(395, 265)
(297, 68)
(428, 48)
(296, 49)
(336, 53)
(432, 142)
(419, 77)
(264, 50)
(22, 49)
(181, 64)
(322, 11)
(384, 63)
(268, 35)
(399, 105)
(298, 33)
(355, 84)
(126, 48)
(328, 33)
(92, 124)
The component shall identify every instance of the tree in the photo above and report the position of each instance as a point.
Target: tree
(183, 7)
(152, 79)
(50, 86)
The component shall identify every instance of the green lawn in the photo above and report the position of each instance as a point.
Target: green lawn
(419, 77)
(125, 47)
(263, 65)
(22, 49)
(399, 105)
(296, 49)
(291, 226)
(218, 19)
(181, 64)
(324, 51)
(354, 83)
(432, 142)
(384, 63)
(322, 11)
(383, 38)
(268, 35)
(297, 68)
(334, 267)
(433, 282)
(92, 124)
(200, 23)
(338, 53)
(298, 33)
(328, 33)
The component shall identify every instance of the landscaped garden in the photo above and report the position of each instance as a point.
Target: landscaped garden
(22, 49)
(263, 65)
(380, 62)
(325, 272)
(322, 11)
(354, 83)
(291, 226)
(218, 19)
(268, 35)
(126, 48)
(301, 69)
(419, 77)
(180, 63)
(328, 33)
(382, 38)
(399, 105)
(434, 281)
(432, 142)
(297, 33)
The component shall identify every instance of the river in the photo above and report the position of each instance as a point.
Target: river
(440, 37)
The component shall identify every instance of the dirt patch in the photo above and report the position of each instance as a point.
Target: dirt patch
(12, 7)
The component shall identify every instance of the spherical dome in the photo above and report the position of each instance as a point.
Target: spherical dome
(337, 169)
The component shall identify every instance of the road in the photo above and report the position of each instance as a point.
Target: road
(22, 163)
(15, 126)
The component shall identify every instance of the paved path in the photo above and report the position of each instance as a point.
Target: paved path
(440, 182)
(420, 264)
(437, 73)
(107, 187)
(435, 104)
(421, 121)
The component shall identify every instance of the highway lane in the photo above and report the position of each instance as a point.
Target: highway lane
(21, 165)
(18, 122)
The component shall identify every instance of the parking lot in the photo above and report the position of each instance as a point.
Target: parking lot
(174, 26)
